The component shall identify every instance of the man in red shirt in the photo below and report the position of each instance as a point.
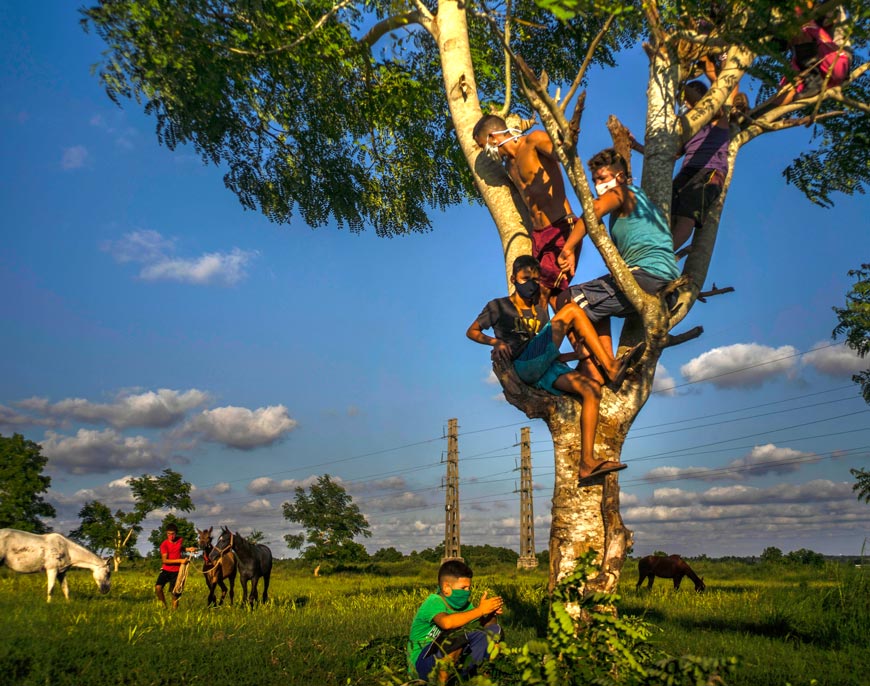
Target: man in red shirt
(171, 555)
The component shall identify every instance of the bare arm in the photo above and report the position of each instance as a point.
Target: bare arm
(447, 621)
(611, 201)
(500, 348)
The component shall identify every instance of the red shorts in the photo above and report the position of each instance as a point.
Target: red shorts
(547, 243)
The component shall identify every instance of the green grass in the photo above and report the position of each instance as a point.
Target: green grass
(786, 625)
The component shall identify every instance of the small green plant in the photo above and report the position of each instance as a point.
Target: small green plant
(604, 649)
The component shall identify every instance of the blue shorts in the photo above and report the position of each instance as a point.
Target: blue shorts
(537, 364)
(601, 297)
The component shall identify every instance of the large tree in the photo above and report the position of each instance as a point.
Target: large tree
(360, 113)
(98, 530)
(854, 323)
(22, 485)
(166, 490)
(331, 521)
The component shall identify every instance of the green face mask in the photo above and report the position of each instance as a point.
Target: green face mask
(458, 598)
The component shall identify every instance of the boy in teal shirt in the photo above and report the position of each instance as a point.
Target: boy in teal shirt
(449, 612)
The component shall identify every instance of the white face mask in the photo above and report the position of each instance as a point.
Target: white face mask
(491, 150)
(602, 188)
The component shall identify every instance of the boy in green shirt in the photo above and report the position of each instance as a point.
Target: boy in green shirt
(450, 611)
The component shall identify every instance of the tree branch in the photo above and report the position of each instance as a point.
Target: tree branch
(680, 338)
(702, 296)
(503, 112)
(587, 60)
(385, 26)
(305, 36)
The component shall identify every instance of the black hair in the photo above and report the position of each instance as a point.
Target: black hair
(488, 124)
(525, 262)
(172, 527)
(608, 158)
(453, 569)
(698, 85)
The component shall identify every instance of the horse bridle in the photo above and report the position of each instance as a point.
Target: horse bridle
(221, 553)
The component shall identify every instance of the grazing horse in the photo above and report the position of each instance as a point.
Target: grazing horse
(672, 567)
(216, 568)
(27, 553)
(253, 560)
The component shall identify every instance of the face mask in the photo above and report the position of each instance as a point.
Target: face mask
(491, 149)
(458, 599)
(602, 188)
(529, 291)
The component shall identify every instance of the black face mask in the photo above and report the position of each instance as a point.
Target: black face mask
(529, 291)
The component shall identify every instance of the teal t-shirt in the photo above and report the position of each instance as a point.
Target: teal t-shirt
(644, 238)
(423, 627)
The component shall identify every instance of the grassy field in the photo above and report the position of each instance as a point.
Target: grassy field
(787, 625)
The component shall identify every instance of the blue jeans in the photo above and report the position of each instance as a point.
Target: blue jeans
(472, 656)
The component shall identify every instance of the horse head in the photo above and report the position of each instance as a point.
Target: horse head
(700, 586)
(103, 575)
(225, 541)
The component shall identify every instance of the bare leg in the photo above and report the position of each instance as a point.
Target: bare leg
(158, 591)
(682, 231)
(589, 391)
(572, 317)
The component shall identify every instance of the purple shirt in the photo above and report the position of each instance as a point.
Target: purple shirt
(708, 149)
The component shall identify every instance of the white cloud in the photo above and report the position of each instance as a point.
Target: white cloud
(150, 409)
(265, 485)
(140, 246)
(9, 417)
(836, 360)
(491, 379)
(74, 157)
(239, 427)
(212, 268)
(259, 506)
(769, 459)
(663, 383)
(159, 262)
(742, 365)
(401, 501)
(91, 452)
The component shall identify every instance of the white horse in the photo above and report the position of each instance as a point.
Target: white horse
(29, 553)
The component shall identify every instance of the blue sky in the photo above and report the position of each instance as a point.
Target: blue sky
(149, 321)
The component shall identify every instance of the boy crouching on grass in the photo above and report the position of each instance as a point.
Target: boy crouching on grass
(440, 631)
(526, 336)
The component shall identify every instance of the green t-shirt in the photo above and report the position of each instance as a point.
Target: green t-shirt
(424, 630)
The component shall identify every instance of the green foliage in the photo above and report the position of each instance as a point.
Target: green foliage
(331, 520)
(605, 648)
(387, 555)
(805, 557)
(22, 484)
(854, 321)
(771, 555)
(862, 485)
(168, 490)
(99, 530)
(186, 532)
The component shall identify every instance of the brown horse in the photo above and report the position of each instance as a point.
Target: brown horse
(216, 568)
(671, 567)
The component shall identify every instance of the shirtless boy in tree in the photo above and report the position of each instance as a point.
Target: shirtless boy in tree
(533, 168)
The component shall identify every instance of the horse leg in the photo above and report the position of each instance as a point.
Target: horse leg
(232, 588)
(64, 586)
(677, 580)
(254, 581)
(265, 588)
(211, 599)
(652, 577)
(223, 590)
(52, 577)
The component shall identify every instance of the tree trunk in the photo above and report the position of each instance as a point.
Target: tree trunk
(507, 209)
